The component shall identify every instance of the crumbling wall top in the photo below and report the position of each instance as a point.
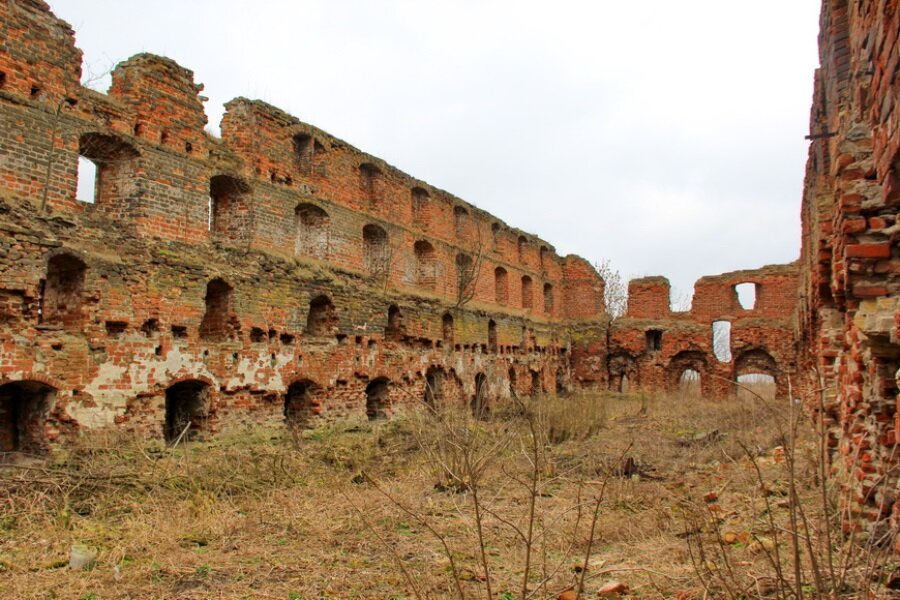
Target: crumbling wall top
(38, 57)
(584, 289)
(648, 297)
(165, 101)
(716, 296)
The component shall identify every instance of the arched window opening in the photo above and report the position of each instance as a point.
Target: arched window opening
(24, 406)
(685, 370)
(756, 369)
(545, 257)
(62, 290)
(370, 182)
(520, 247)
(312, 231)
(229, 208)
(395, 329)
(378, 400)
(465, 278)
(460, 221)
(321, 321)
(300, 405)
(560, 378)
(527, 293)
(187, 410)
(479, 405)
(106, 170)
(721, 340)
(434, 387)
(303, 152)
(548, 298)
(654, 340)
(376, 251)
(513, 392)
(86, 189)
(746, 295)
(752, 384)
(501, 285)
(492, 336)
(218, 321)
(689, 382)
(536, 384)
(447, 331)
(421, 206)
(307, 150)
(425, 264)
(495, 236)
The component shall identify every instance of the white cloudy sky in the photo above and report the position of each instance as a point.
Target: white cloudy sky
(664, 136)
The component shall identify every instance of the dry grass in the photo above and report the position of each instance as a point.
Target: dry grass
(365, 512)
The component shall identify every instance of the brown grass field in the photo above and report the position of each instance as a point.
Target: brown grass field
(672, 496)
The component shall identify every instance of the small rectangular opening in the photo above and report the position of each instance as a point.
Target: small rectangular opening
(654, 340)
(721, 340)
(179, 331)
(150, 328)
(746, 293)
(115, 329)
(86, 190)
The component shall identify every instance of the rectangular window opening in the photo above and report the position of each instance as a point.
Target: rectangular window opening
(654, 340)
(86, 190)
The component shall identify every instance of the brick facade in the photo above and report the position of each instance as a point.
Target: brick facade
(651, 347)
(278, 273)
(275, 272)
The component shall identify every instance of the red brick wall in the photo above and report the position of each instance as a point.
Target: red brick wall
(850, 258)
(141, 320)
(648, 297)
(150, 255)
(686, 338)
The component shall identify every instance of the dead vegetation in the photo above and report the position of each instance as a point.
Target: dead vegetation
(668, 497)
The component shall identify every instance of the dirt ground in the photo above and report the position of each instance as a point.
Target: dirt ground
(668, 496)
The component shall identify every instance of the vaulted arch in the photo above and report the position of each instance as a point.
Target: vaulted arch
(24, 406)
(376, 250)
(312, 227)
(425, 265)
(63, 286)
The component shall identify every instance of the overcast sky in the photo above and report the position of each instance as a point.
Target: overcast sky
(664, 136)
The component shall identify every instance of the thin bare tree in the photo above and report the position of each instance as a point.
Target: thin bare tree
(615, 292)
(468, 271)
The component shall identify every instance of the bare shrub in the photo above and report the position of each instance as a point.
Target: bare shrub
(802, 537)
(577, 416)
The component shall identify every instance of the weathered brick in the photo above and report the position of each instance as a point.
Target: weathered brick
(847, 308)
(881, 250)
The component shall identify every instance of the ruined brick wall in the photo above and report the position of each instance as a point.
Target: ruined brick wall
(651, 347)
(850, 312)
(280, 274)
(275, 273)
